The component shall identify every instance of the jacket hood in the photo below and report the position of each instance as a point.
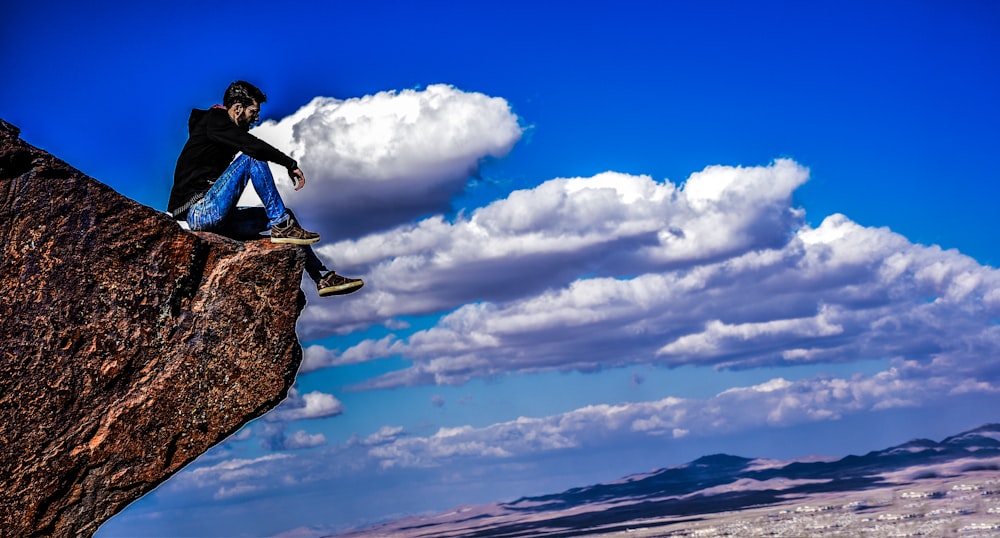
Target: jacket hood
(197, 115)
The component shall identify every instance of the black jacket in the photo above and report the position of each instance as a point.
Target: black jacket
(213, 141)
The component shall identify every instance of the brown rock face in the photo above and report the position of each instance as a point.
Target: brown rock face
(128, 346)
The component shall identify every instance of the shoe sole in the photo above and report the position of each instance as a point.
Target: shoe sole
(293, 241)
(342, 289)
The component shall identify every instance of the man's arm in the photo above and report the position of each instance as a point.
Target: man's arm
(222, 130)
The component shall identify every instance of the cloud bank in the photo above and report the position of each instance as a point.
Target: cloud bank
(380, 160)
(547, 237)
(616, 270)
(776, 403)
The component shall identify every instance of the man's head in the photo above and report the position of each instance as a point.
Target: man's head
(243, 101)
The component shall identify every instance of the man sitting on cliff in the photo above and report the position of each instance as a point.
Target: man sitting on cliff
(208, 182)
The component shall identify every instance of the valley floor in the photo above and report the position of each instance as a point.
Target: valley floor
(965, 506)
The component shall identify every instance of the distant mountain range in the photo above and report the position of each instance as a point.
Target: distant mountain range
(899, 485)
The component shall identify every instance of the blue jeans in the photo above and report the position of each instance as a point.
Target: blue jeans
(210, 213)
(217, 211)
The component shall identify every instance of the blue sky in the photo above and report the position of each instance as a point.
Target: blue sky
(598, 239)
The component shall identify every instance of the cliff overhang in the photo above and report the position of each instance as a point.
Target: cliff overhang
(129, 345)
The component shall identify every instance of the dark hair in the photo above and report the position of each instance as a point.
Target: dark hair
(244, 93)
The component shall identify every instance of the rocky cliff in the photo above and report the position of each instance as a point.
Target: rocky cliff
(128, 346)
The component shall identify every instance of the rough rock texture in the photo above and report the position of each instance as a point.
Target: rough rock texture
(128, 346)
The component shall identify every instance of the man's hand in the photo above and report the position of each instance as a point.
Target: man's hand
(298, 178)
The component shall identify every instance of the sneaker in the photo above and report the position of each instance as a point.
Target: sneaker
(290, 232)
(334, 284)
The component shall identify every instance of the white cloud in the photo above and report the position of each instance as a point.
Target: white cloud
(385, 434)
(384, 159)
(775, 403)
(229, 474)
(226, 492)
(302, 439)
(719, 336)
(612, 224)
(316, 357)
(836, 293)
(233, 479)
(304, 406)
(778, 402)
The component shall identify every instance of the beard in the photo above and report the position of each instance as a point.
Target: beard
(244, 121)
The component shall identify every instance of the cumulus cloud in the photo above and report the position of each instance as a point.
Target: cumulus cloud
(610, 224)
(316, 357)
(302, 439)
(808, 302)
(304, 406)
(380, 160)
(721, 271)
